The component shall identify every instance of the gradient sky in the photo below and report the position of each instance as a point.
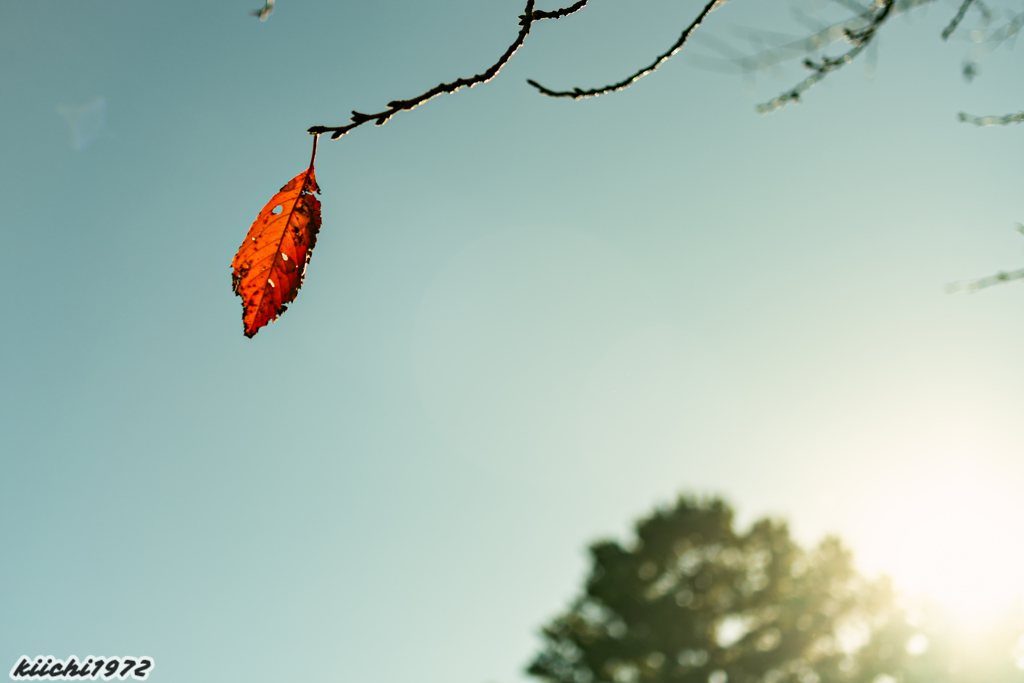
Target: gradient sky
(526, 322)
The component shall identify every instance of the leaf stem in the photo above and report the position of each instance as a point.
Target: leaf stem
(312, 158)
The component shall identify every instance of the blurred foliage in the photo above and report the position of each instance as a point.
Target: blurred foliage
(692, 600)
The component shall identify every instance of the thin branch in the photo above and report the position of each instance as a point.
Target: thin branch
(558, 14)
(788, 47)
(263, 12)
(860, 38)
(992, 120)
(948, 31)
(577, 93)
(975, 285)
(526, 20)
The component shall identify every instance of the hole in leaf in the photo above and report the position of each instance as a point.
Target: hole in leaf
(277, 210)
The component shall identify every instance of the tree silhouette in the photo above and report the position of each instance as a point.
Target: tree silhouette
(692, 600)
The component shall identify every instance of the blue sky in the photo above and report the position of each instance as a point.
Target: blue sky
(525, 323)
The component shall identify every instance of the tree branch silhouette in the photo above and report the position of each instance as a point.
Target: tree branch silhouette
(768, 55)
(860, 38)
(975, 285)
(577, 93)
(526, 20)
(992, 120)
(558, 14)
(997, 279)
(948, 31)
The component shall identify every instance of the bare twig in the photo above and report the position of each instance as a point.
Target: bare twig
(998, 278)
(975, 285)
(263, 12)
(558, 14)
(787, 47)
(992, 120)
(577, 93)
(526, 20)
(948, 31)
(860, 38)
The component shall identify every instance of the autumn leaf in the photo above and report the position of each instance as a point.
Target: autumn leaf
(270, 265)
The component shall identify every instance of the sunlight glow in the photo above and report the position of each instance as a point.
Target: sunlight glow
(952, 534)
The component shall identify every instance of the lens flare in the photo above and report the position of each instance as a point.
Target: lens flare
(951, 533)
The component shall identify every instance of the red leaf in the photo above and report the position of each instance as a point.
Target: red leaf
(270, 265)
